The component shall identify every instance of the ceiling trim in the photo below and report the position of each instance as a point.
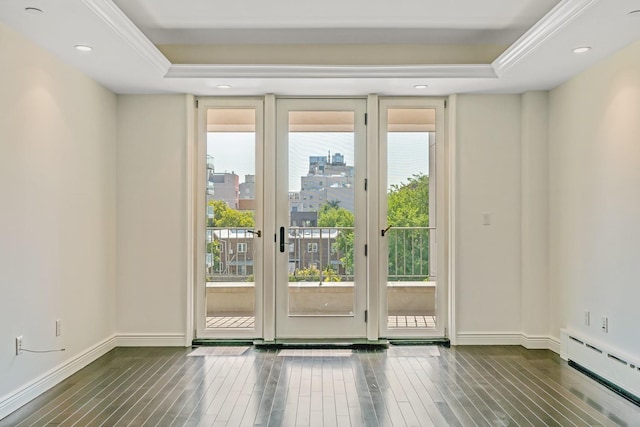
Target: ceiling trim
(553, 22)
(122, 25)
(557, 19)
(320, 71)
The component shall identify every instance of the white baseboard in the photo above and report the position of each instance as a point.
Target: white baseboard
(150, 340)
(33, 389)
(554, 345)
(540, 343)
(509, 338)
(482, 338)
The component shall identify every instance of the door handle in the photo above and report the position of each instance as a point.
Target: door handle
(257, 233)
(383, 232)
(282, 239)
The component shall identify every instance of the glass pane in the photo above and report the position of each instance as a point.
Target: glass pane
(321, 213)
(411, 287)
(230, 218)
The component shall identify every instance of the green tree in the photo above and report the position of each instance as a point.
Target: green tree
(214, 249)
(332, 215)
(408, 206)
(224, 216)
(334, 204)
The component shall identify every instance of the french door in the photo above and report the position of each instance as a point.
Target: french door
(321, 284)
(412, 218)
(321, 227)
(230, 218)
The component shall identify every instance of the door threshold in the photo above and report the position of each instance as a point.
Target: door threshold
(445, 342)
(326, 343)
(211, 342)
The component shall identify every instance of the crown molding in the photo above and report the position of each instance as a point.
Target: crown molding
(484, 71)
(561, 16)
(122, 25)
(557, 19)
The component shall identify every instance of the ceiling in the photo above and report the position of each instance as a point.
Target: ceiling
(335, 21)
(333, 47)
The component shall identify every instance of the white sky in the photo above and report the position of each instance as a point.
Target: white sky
(408, 153)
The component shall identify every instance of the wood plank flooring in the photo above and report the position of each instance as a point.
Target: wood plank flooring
(399, 386)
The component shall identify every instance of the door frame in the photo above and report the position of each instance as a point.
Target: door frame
(446, 207)
(316, 327)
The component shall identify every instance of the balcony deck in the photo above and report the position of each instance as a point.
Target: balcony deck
(248, 322)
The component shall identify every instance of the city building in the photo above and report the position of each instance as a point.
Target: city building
(222, 186)
(329, 179)
(226, 187)
(304, 219)
(248, 188)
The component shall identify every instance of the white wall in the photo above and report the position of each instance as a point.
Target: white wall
(57, 218)
(534, 132)
(152, 219)
(595, 201)
(488, 174)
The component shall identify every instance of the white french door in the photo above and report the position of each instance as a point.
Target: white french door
(291, 242)
(412, 218)
(230, 211)
(321, 280)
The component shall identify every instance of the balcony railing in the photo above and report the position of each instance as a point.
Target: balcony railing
(409, 257)
(317, 254)
(229, 254)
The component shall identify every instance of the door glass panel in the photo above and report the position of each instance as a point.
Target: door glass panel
(411, 287)
(231, 240)
(321, 154)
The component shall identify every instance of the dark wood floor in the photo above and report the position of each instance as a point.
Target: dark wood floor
(236, 386)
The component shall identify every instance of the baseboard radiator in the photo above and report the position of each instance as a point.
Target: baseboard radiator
(612, 368)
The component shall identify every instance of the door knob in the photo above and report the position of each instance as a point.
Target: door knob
(257, 233)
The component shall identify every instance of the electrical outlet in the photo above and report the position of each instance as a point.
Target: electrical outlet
(58, 328)
(587, 318)
(605, 324)
(19, 345)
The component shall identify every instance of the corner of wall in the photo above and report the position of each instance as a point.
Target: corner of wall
(535, 213)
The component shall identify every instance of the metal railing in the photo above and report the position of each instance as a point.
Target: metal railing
(229, 254)
(322, 254)
(409, 253)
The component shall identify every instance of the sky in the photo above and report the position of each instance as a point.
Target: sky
(408, 153)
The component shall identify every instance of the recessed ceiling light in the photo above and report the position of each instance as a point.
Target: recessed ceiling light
(83, 48)
(223, 86)
(33, 10)
(420, 86)
(582, 49)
